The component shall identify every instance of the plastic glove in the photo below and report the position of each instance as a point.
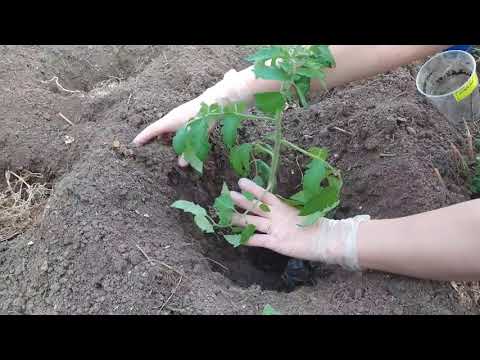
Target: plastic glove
(327, 241)
(233, 88)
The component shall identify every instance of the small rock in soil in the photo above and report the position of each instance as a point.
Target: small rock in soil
(398, 311)
(411, 130)
(44, 266)
(360, 187)
(371, 144)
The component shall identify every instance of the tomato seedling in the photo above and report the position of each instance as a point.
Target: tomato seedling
(294, 66)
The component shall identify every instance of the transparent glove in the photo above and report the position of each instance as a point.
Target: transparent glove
(233, 88)
(328, 241)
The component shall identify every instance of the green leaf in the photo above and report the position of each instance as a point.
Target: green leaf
(247, 233)
(302, 85)
(241, 239)
(320, 153)
(193, 160)
(324, 200)
(231, 123)
(323, 55)
(263, 170)
(179, 141)
(300, 197)
(240, 159)
(296, 200)
(198, 138)
(269, 310)
(269, 72)
(265, 54)
(311, 73)
(313, 177)
(204, 224)
(234, 240)
(264, 207)
(224, 206)
(189, 207)
(259, 181)
(311, 219)
(270, 102)
(335, 182)
(248, 195)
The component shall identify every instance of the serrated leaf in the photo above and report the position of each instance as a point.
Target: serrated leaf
(335, 182)
(265, 54)
(204, 224)
(231, 123)
(233, 240)
(270, 102)
(179, 141)
(263, 170)
(240, 159)
(198, 138)
(238, 108)
(302, 86)
(241, 239)
(296, 200)
(300, 197)
(311, 219)
(311, 73)
(189, 207)
(269, 310)
(190, 156)
(259, 181)
(292, 203)
(264, 207)
(313, 177)
(269, 72)
(224, 206)
(324, 55)
(247, 233)
(320, 153)
(325, 199)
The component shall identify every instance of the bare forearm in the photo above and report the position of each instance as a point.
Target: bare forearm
(443, 244)
(355, 62)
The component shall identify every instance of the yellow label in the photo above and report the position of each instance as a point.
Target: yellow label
(466, 89)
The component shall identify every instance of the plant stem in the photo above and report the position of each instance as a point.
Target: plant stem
(264, 149)
(276, 151)
(266, 118)
(248, 116)
(304, 152)
(297, 148)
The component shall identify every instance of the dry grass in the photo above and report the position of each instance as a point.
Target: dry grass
(468, 293)
(20, 201)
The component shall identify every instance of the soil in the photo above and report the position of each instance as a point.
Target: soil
(108, 242)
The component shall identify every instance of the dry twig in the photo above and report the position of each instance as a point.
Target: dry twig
(55, 78)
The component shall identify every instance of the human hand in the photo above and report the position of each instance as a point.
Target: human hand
(233, 88)
(328, 241)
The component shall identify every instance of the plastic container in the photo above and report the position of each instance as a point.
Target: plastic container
(449, 80)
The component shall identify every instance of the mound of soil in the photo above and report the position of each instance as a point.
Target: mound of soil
(108, 242)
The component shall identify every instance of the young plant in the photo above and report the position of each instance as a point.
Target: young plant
(294, 66)
(476, 176)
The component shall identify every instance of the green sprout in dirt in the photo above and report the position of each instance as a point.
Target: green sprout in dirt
(294, 66)
(269, 310)
(476, 175)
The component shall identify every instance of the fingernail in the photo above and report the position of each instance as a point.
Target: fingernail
(243, 181)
